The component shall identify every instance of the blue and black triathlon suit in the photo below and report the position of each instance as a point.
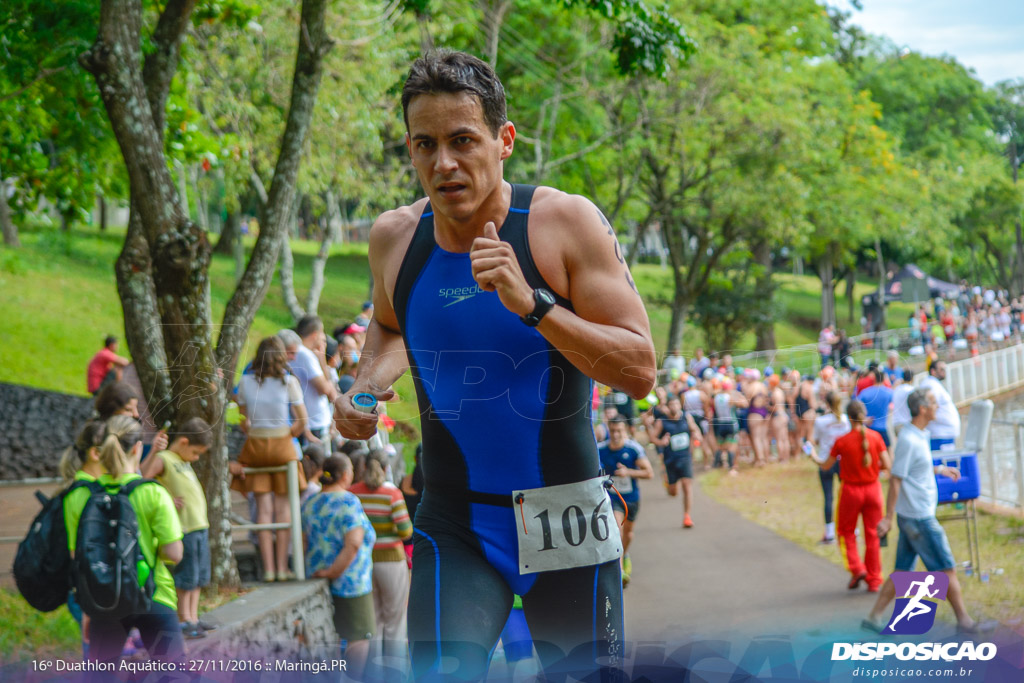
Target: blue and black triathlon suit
(630, 452)
(501, 410)
(677, 456)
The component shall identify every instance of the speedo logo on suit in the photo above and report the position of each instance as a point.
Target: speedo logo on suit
(918, 595)
(454, 295)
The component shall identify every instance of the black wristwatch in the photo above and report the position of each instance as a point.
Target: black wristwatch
(544, 301)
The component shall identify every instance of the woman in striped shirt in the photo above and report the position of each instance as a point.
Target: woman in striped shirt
(385, 506)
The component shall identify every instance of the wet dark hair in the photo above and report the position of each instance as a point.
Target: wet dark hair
(196, 430)
(447, 71)
(108, 340)
(113, 398)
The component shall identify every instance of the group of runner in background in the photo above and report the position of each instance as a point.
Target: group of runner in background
(709, 413)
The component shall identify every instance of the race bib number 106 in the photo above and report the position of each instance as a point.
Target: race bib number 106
(560, 527)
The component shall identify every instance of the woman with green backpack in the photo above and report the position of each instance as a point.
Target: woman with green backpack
(138, 517)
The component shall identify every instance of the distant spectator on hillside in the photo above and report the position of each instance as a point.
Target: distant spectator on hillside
(699, 362)
(674, 363)
(105, 366)
(892, 368)
(825, 341)
(363, 319)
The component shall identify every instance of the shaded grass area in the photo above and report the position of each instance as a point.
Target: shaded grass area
(60, 301)
(787, 498)
(29, 634)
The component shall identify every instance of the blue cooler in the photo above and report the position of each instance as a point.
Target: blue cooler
(968, 486)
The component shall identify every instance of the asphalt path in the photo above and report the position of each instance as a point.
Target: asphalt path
(727, 576)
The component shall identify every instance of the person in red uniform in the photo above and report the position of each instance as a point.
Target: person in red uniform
(862, 454)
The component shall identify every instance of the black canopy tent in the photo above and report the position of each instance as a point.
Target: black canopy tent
(895, 286)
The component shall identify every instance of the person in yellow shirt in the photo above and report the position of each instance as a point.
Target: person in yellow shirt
(159, 540)
(173, 469)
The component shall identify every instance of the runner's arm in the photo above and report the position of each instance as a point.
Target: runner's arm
(383, 358)
(607, 336)
(890, 505)
(643, 469)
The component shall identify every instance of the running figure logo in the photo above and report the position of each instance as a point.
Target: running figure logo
(914, 613)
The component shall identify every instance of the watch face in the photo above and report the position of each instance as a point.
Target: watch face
(546, 296)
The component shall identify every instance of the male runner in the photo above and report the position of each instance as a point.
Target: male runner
(626, 460)
(504, 301)
(674, 433)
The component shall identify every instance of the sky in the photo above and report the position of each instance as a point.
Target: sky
(985, 35)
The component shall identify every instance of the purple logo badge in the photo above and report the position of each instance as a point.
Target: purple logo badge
(917, 599)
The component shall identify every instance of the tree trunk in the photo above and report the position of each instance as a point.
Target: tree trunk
(135, 288)
(851, 282)
(426, 39)
(287, 274)
(103, 212)
(765, 329)
(65, 222)
(11, 238)
(316, 285)
(826, 272)
(494, 15)
(880, 324)
(334, 219)
(639, 234)
(134, 95)
(231, 232)
(202, 214)
(680, 309)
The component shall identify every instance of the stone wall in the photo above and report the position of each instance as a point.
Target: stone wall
(35, 427)
(270, 629)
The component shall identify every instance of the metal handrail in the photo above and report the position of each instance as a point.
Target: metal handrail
(292, 468)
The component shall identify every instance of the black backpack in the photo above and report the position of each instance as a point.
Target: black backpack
(108, 557)
(42, 565)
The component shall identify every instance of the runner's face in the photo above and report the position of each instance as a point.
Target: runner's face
(457, 158)
(616, 435)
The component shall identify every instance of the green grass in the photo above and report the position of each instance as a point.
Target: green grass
(29, 634)
(787, 498)
(60, 300)
(799, 309)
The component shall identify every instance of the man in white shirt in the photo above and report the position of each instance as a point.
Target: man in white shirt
(945, 427)
(900, 413)
(912, 500)
(310, 368)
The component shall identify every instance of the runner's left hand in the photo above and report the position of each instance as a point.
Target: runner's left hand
(496, 269)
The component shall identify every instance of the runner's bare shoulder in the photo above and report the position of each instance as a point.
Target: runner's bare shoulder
(391, 234)
(564, 229)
